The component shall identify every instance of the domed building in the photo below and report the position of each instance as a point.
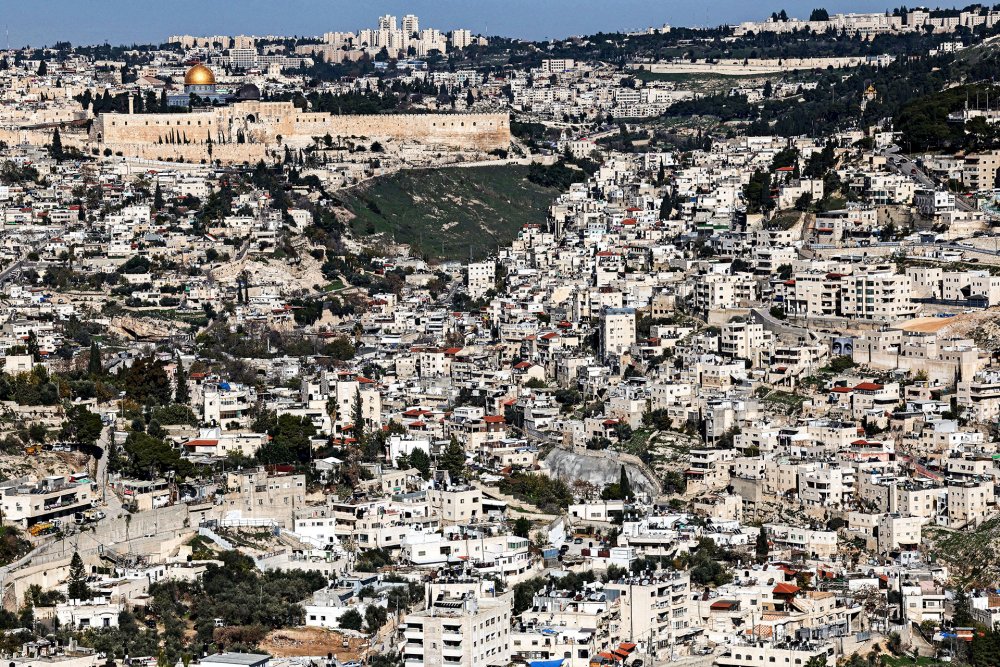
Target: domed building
(248, 92)
(200, 81)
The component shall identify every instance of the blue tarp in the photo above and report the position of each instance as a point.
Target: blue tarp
(546, 663)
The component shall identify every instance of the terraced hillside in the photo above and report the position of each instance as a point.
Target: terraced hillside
(448, 213)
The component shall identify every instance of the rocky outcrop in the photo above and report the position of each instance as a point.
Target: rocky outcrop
(601, 467)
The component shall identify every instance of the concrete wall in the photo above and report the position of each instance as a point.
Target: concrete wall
(156, 533)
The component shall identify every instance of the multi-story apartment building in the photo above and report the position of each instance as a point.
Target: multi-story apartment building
(745, 340)
(456, 504)
(655, 610)
(765, 654)
(28, 502)
(813, 543)
(970, 503)
(617, 331)
(261, 495)
(826, 486)
(228, 405)
(481, 278)
(879, 295)
(464, 625)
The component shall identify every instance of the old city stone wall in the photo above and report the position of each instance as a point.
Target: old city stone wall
(238, 131)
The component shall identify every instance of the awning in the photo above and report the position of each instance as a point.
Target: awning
(547, 663)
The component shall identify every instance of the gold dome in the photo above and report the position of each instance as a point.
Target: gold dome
(199, 75)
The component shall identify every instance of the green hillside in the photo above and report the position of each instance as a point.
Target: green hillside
(446, 212)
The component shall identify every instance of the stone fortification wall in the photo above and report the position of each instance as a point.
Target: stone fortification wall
(234, 131)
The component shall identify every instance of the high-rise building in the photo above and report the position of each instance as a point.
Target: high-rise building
(387, 22)
(617, 330)
(411, 25)
(460, 38)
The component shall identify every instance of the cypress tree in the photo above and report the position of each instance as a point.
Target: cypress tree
(624, 485)
(183, 394)
(762, 548)
(57, 149)
(94, 365)
(77, 588)
(453, 459)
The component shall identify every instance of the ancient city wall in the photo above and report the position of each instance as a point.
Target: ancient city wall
(235, 129)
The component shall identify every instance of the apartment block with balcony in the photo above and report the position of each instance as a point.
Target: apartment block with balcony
(461, 627)
(27, 502)
(656, 610)
(879, 295)
(788, 654)
(228, 404)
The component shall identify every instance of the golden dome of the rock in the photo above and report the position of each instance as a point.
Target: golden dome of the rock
(199, 75)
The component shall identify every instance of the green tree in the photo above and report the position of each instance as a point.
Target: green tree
(146, 381)
(666, 207)
(158, 198)
(43, 68)
(148, 457)
(77, 585)
(358, 417)
(962, 617)
(183, 394)
(82, 425)
(33, 348)
(453, 459)
(56, 149)
(351, 620)
(762, 548)
(420, 461)
(291, 441)
(624, 486)
(522, 527)
(375, 618)
(94, 364)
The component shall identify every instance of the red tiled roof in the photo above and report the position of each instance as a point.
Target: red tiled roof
(785, 589)
(723, 605)
(868, 386)
(201, 443)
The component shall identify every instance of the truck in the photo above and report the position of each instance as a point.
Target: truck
(88, 516)
(44, 528)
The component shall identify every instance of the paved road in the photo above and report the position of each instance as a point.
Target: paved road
(16, 266)
(904, 165)
(113, 503)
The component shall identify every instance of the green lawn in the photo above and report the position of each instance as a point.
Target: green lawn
(335, 286)
(450, 213)
(906, 661)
